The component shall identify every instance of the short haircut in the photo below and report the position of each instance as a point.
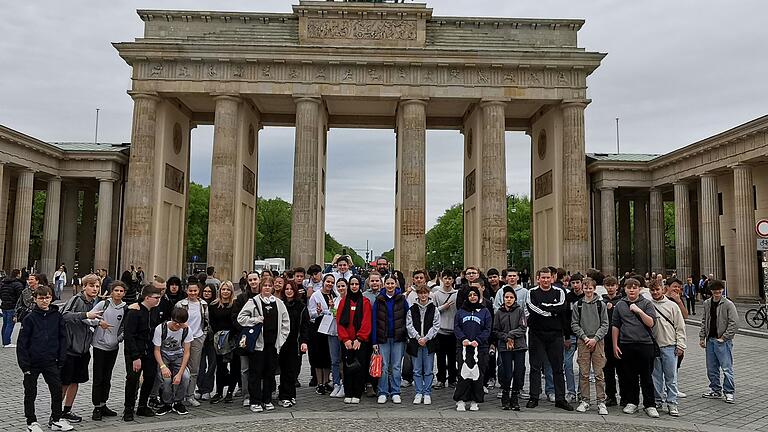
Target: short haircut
(610, 280)
(588, 281)
(472, 268)
(89, 279)
(418, 272)
(173, 280)
(448, 273)
(510, 270)
(179, 315)
(422, 289)
(289, 274)
(43, 291)
(577, 277)
(314, 269)
(159, 279)
(716, 285)
(432, 274)
(15, 273)
(299, 270)
(149, 290)
(672, 280)
(210, 270)
(492, 272)
(342, 258)
(117, 284)
(544, 270)
(631, 282)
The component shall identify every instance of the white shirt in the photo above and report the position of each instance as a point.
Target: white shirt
(172, 345)
(195, 321)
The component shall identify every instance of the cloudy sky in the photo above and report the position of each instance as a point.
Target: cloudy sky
(676, 72)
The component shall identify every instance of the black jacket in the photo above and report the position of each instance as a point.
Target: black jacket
(137, 332)
(42, 339)
(10, 291)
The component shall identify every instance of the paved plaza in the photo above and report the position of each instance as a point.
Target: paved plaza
(315, 412)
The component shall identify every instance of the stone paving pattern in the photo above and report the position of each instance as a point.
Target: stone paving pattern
(322, 412)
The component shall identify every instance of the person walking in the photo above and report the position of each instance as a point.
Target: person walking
(354, 328)
(106, 343)
(59, 281)
(718, 329)
(423, 324)
(589, 322)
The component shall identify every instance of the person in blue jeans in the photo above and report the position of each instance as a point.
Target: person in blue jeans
(423, 323)
(10, 291)
(389, 335)
(719, 323)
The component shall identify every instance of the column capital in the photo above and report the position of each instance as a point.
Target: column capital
(740, 165)
(493, 102)
(575, 103)
(106, 179)
(680, 182)
(144, 95)
(307, 98)
(235, 97)
(54, 179)
(406, 101)
(708, 174)
(608, 188)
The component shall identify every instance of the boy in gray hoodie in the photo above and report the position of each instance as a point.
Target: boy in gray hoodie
(106, 343)
(445, 301)
(589, 322)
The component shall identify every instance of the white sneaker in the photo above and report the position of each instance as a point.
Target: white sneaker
(673, 410)
(340, 394)
(551, 397)
(246, 402)
(681, 394)
(602, 409)
(396, 399)
(335, 391)
(630, 409)
(729, 398)
(583, 407)
(60, 425)
(34, 427)
(193, 402)
(257, 408)
(461, 406)
(382, 399)
(427, 400)
(354, 401)
(474, 407)
(11, 346)
(347, 400)
(417, 399)
(652, 412)
(205, 396)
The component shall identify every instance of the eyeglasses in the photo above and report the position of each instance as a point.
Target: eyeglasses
(156, 297)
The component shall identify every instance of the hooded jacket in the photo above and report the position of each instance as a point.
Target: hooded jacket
(423, 321)
(253, 314)
(10, 291)
(114, 314)
(79, 328)
(473, 326)
(590, 319)
(447, 312)
(42, 339)
(510, 324)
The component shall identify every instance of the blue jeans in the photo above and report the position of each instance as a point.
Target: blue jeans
(570, 379)
(8, 325)
(423, 371)
(58, 288)
(665, 375)
(720, 356)
(392, 356)
(335, 349)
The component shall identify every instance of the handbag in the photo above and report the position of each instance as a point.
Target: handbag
(351, 363)
(374, 370)
(412, 347)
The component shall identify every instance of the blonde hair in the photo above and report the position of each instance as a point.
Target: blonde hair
(218, 300)
(90, 278)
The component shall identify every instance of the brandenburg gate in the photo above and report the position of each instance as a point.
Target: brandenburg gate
(334, 65)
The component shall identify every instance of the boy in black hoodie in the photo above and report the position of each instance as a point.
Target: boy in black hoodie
(41, 349)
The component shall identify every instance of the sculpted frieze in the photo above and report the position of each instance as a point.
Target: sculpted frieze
(361, 29)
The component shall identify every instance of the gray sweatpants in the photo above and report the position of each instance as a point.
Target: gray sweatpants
(169, 393)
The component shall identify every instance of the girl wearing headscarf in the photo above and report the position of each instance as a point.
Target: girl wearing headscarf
(472, 327)
(354, 327)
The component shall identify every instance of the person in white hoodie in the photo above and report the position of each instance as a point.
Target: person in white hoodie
(422, 322)
(106, 344)
(669, 332)
(270, 312)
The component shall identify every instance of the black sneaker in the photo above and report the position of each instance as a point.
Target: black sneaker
(163, 410)
(320, 389)
(216, 398)
(452, 384)
(532, 403)
(563, 405)
(96, 414)
(154, 402)
(145, 412)
(180, 409)
(128, 415)
(71, 417)
(228, 398)
(106, 412)
(611, 402)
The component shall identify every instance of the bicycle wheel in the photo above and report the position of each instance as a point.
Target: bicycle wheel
(755, 318)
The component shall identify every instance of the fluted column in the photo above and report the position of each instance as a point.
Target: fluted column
(4, 198)
(410, 229)
(87, 233)
(306, 181)
(222, 205)
(608, 225)
(641, 235)
(656, 207)
(493, 225)
(68, 227)
(140, 184)
(51, 226)
(710, 227)
(103, 224)
(22, 221)
(576, 256)
(743, 284)
(625, 236)
(682, 230)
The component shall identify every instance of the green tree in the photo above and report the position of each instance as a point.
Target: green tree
(36, 231)
(273, 229)
(197, 221)
(445, 240)
(518, 231)
(669, 234)
(333, 247)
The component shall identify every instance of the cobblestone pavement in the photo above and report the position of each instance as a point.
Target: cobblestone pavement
(323, 413)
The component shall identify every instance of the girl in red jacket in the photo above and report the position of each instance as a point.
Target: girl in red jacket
(354, 325)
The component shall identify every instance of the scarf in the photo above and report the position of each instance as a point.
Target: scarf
(357, 321)
(468, 305)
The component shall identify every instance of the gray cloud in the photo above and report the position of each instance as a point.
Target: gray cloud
(676, 72)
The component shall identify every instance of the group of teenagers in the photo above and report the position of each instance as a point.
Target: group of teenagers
(201, 341)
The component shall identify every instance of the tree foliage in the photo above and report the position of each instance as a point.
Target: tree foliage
(197, 221)
(273, 225)
(36, 231)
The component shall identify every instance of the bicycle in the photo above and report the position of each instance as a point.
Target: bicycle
(757, 317)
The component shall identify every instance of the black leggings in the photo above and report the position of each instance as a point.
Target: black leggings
(103, 365)
(446, 357)
(227, 373)
(354, 380)
(261, 374)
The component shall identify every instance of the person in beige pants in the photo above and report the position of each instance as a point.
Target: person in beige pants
(589, 322)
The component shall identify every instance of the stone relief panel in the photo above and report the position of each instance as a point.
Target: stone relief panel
(469, 184)
(249, 180)
(174, 178)
(542, 185)
(361, 29)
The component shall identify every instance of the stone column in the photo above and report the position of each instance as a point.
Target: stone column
(22, 221)
(608, 225)
(68, 228)
(410, 229)
(625, 237)
(575, 222)
(222, 206)
(140, 184)
(306, 181)
(51, 226)
(710, 227)
(641, 235)
(4, 198)
(103, 225)
(743, 284)
(87, 233)
(493, 225)
(657, 231)
(682, 230)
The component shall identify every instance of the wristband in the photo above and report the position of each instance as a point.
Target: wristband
(163, 366)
